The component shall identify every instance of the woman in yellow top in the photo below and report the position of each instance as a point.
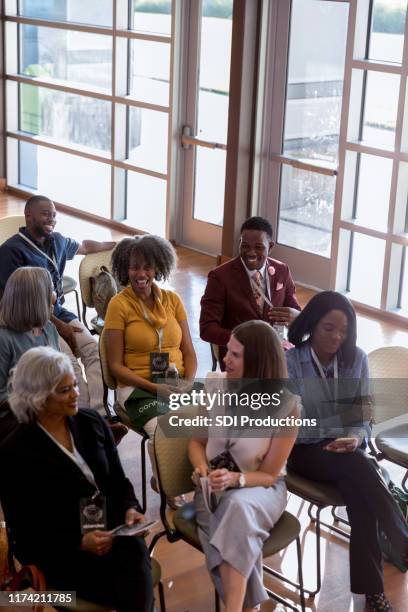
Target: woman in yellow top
(146, 325)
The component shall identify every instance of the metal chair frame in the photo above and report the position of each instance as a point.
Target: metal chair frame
(114, 417)
(377, 372)
(173, 535)
(317, 521)
(74, 289)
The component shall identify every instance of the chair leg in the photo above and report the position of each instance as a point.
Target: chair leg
(143, 471)
(300, 574)
(403, 483)
(161, 597)
(217, 602)
(337, 518)
(77, 304)
(318, 559)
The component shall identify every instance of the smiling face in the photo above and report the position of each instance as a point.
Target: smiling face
(64, 400)
(141, 276)
(254, 246)
(330, 333)
(234, 359)
(41, 219)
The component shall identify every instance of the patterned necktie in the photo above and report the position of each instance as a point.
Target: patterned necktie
(258, 290)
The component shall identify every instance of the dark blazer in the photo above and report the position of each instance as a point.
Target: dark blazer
(40, 488)
(228, 299)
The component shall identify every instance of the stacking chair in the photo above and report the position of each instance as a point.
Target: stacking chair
(29, 576)
(320, 495)
(117, 412)
(10, 226)
(174, 476)
(90, 266)
(390, 362)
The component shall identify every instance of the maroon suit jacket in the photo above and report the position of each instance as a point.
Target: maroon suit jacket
(228, 299)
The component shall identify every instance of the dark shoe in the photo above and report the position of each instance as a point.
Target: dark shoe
(119, 430)
(378, 603)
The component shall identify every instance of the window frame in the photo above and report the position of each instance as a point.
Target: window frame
(117, 158)
(272, 82)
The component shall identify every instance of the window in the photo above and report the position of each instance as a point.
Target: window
(333, 152)
(373, 226)
(101, 125)
(314, 90)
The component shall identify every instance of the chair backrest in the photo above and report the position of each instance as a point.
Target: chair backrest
(173, 466)
(390, 397)
(108, 379)
(90, 266)
(10, 226)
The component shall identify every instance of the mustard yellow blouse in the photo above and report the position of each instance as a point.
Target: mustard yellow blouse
(125, 313)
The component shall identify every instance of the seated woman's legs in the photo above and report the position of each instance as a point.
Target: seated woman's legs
(150, 428)
(121, 578)
(233, 536)
(368, 503)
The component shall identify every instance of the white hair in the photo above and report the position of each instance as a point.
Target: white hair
(36, 375)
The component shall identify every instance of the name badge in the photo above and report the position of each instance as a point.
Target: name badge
(93, 513)
(159, 362)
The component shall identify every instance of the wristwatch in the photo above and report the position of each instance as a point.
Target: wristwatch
(241, 481)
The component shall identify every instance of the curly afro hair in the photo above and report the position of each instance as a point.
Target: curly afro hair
(156, 251)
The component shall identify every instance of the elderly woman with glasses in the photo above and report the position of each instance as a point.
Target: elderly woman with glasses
(65, 489)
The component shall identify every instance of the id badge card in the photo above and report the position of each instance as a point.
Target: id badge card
(159, 362)
(92, 513)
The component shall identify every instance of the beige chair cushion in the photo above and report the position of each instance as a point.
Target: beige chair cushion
(393, 443)
(389, 385)
(174, 468)
(88, 267)
(10, 226)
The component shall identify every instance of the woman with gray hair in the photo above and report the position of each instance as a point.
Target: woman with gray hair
(67, 472)
(146, 329)
(25, 311)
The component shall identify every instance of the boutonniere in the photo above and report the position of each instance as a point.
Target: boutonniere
(271, 270)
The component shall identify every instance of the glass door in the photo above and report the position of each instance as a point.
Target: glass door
(204, 135)
(303, 117)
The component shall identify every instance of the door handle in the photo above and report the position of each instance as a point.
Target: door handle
(188, 141)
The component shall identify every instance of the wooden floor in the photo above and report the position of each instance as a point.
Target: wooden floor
(187, 586)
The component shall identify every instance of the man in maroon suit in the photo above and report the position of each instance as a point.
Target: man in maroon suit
(251, 286)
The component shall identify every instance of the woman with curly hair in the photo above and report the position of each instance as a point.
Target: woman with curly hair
(146, 325)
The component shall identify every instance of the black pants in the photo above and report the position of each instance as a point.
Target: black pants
(121, 578)
(369, 504)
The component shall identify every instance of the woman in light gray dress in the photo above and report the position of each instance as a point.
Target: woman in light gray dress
(253, 489)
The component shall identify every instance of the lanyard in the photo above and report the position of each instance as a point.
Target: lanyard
(322, 372)
(53, 261)
(159, 330)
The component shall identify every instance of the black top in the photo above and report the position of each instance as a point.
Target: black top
(41, 487)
